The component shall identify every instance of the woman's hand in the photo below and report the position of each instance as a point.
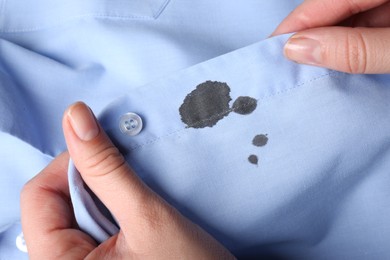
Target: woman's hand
(149, 227)
(360, 46)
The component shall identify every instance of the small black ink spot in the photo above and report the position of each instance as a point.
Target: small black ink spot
(260, 140)
(244, 105)
(206, 105)
(253, 159)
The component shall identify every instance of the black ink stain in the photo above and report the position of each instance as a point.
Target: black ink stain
(260, 140)
(253, 159)
(209, 103)
(244, 105)
(206, 105)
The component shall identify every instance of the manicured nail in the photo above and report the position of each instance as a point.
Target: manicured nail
(83, 121)
(303, 50)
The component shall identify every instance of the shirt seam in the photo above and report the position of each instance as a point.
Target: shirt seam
(2, 6)
(281, 92)
(77, 18)
(161, 9)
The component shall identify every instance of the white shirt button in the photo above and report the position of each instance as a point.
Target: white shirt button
(130, 124)
(20, 243)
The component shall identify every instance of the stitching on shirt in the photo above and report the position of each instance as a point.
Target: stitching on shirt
(299, 85)
(76, 19)
(88, 16)
(161, 9)
(281, 91)
(2, 6)
(157, 139)
(179, 130)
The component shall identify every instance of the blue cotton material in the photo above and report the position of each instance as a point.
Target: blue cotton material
(320, 186)
(328, 152)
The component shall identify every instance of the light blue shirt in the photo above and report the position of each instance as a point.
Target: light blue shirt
(290, 161)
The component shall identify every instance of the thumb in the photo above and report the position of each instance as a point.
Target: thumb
(351, 50)
(149, 225)
(102, 166)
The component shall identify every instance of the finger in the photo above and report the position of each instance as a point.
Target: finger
(376, 17)
(318, 13)
(47, 216)
(352, 50)
(149, 226)
(102, 166)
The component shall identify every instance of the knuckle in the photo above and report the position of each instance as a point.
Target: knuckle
(304, 18)
(104, 162)
(356, 52)
(354, 7)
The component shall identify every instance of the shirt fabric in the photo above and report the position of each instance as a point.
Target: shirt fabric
(293, 162)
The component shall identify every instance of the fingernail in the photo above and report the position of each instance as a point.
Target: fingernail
(83, 121)
(303, 50)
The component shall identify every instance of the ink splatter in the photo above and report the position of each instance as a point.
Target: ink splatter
(206, 105)
(244, 105)
(260, 140)
(253, 159)
(209, 103)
